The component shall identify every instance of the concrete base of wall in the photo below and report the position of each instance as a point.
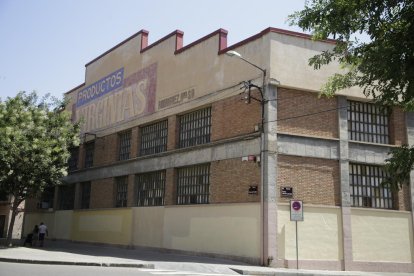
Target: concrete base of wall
(352, 266)
(314, 264)
(381, 267)
(253, 261)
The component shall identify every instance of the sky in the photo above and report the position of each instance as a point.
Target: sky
(45, 44)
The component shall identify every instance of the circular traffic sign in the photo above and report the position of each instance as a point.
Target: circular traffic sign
(296, 205)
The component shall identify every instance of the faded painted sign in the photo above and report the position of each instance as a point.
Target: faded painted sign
(114, 99)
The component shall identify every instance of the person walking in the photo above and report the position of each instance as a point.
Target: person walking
(35, 233)
(42, 233)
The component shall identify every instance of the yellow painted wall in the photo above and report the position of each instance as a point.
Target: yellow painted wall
(148, 225)
(319, 235)
(112, 226)
(31, 219)
(220, 229)
(63, 225)
(382, 236)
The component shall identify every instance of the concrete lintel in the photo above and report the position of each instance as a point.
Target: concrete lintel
(236, 149)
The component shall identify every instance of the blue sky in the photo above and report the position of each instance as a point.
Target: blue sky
(45, 44)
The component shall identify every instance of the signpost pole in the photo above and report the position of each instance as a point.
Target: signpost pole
(297, 247)
(296, 214)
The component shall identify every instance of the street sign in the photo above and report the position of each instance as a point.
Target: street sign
(296, 210)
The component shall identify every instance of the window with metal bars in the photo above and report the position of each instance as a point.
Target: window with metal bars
(195, 128)
(368, 122)
(73, 159)
(124, 145)
(150, 188)
(121, 191)
(89, 150)
(193, 184)
(85, 195)
(66, 197)
(154, 138)
(366, 190)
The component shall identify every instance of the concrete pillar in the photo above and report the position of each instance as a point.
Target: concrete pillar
(269, 177)
(344, 178)
(410, 140)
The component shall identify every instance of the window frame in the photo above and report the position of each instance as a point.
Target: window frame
(365, 187)
(121, 191)
(368, 122)
(67, 197)
(124, 145)
(195, 128)
(189, 188)
(89, 154)
(73, 159)
(150, 188)
(85, 197)
(153, 138)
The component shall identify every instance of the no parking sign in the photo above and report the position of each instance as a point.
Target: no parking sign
(296, 210)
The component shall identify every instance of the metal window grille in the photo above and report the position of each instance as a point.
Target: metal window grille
(66, 197)
(89, 150)
(368, 123)
(150, 188)
(193, 184)
(154, 138)
(121, 191)
(73, 159)
(366, 190)
(85, 195)
(195, 128)
(124, 145)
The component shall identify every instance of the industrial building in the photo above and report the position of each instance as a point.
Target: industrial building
(206, 148)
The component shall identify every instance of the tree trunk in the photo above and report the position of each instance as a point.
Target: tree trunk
(14, 213)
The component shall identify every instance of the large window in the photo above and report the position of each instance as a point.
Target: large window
(89, 150)
(47, 197)
(150, 188)
(73, 159)
(193, 184)
(195, 128)
(124, 145)
(66, 197)
(121, 191)
(154, 138)
(368, 123)
(366, 190)
(85, 195)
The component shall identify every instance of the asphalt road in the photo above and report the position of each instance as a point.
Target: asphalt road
(20, 269)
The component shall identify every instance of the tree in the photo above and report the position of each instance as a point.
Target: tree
(35, 136)
(375, 44)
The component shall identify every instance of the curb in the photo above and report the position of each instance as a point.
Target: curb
(27, 261)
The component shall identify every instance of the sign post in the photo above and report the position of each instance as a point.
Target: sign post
(296, 214)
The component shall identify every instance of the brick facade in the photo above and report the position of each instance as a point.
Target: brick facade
(315, 181)
(102, 193)
(106, 150)
(230, 181)
(232, 117)
(403, 199)
(293, 103)
(398, 132)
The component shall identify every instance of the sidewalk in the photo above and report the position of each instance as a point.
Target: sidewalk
(68, 253)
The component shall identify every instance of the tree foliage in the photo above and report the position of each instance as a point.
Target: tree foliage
(382, 64)
(35, 135)
(399, 167)
(375, 46)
